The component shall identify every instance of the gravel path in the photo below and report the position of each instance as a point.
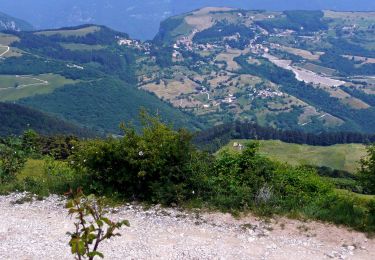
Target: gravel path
(37, 230)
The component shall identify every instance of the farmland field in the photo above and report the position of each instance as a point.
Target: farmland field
(341, 156)
(14, 87)
(77, 32)
(81, 47)
(7, 39)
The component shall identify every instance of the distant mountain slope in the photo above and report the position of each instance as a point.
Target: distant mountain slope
(306, 70)
(15, 119)
(104, 104)
(141, 18)
(302, 70)
(13, 24)
(86, 74)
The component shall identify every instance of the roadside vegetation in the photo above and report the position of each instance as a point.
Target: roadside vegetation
(160, 165)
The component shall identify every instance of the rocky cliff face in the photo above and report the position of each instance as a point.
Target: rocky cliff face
(8, 23)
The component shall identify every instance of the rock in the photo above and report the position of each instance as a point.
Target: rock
(351, 248)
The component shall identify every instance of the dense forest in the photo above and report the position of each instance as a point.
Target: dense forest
(105, 103)
(109, 59)
(301, 21)
(214, 138)
(224, 29)
(15, 119)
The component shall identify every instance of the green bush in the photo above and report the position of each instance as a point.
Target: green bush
(160, 165)
(155, 165)
(367, 171)
(343, 210)
(236, 178)
(12, 159)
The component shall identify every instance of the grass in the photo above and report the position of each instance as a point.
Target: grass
(172, 89)
(360, 19)
(302, 53)
(228, 57)
(81, 47)
(362, 197)
(13, 87)
(67, 33)
(7, 39)
(44, 177)
(318, 69)
(33, 168)
(341, 157)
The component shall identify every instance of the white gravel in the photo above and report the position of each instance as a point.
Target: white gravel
(37, 230)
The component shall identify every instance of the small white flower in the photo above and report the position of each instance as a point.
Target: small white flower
(140, 153)
(193, 192)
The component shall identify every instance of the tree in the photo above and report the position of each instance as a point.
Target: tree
(31, 142)
(12, 159)
(367, 171)
(92, 226)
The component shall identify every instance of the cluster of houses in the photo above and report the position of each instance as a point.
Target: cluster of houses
(268, 93)
(134, 43)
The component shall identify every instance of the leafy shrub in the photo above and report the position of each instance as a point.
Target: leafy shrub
(367, 171)
(236, 178)
(92, 227)
(12, 159)
(154, 165)
(343, 210)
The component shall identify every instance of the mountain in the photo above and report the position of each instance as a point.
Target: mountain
(85, 74)
(141, 18)
(310, 71)
(306, 70)
(15, 119)
(13, 24)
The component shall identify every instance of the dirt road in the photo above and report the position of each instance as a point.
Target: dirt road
(37, 230)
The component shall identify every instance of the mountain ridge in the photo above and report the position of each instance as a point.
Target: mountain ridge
(141, 18)
(212, 66)
(9, 23)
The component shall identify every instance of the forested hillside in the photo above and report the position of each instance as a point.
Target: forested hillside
(141, 19)
(308, 71)
(82, 74)
(16, 119)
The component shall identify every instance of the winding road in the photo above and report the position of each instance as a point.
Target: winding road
(40, 83)
(5, 52)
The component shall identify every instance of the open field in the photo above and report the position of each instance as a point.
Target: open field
(364, 60)
(228, 58)
(318, 69)
(302, 53)
(3, 50)
(67, 33)
(7, 39)
(170, 90)
(341, 156)
(81, 47)
(14, 87)
(361, 19)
